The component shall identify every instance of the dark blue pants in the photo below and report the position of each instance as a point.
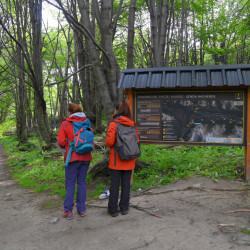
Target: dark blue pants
(76, 172)
(117, 176)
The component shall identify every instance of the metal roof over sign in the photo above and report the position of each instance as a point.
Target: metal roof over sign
(186, 77)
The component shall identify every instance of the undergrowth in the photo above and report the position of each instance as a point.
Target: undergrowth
(33, 169)
(168, 164)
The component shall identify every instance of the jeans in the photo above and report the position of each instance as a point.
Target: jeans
(76, 172)
(116, 176)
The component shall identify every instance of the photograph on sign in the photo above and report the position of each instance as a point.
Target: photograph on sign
(194, 117)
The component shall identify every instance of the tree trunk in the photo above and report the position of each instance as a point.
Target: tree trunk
(169, 34)
(163, 31)
(22, 132)
(154, 33)
(131, 33)
(181, 34)
(40, 104)
(101, 74)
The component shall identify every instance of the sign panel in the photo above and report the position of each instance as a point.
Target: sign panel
(210, 117)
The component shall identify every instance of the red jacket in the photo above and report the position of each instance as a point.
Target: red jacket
(111, 141)
(66, 132)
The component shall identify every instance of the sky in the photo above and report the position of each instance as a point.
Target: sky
(50, 15)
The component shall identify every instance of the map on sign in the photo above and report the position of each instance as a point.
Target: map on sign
(200, 117)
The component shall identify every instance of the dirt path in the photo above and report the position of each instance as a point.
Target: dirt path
(190, 219)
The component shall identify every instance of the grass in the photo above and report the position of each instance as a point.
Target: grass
(247, 231)
(168, 164)
(8, 125)
(32, 169)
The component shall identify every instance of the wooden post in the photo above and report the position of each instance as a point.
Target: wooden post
(247, 149)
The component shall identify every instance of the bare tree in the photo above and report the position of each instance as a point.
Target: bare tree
(21, 97)
(182, 29)
(37, 72)
(160, 15)
(106, 71)
(32, 55)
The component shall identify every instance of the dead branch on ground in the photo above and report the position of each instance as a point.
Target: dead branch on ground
(238, 211)
(146, 192)
(131, 205)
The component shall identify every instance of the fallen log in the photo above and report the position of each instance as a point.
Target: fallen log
(100, 168)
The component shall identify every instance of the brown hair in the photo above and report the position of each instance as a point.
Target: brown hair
(74, 108)
(123, 109)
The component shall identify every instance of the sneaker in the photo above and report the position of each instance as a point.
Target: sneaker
(82, 213)
(105, 194)
(112, 214)
(68, 215)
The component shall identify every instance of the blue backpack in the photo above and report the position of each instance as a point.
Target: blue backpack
(83, 139)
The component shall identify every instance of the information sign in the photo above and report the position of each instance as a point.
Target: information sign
(210, 117)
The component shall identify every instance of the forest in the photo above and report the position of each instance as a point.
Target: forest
(79, 56)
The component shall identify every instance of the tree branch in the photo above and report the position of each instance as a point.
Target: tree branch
(21, 46)
(65, 79)
(79, 26)
(116, 17)
(97, 12)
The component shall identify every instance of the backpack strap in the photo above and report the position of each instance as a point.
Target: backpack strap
(71, 148)
(77, 136)
(116, 141)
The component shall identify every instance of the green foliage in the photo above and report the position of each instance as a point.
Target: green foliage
(170, 164)
(98, 191)
(8, 125)
(247, 231)
(33, 169)
(51, 204)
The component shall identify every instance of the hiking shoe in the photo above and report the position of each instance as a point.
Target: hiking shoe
(124, 212)
(68, 215)
(82, 214)
(105, 194)
(112, 214)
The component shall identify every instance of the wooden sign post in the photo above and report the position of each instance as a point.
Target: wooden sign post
(247, 148)
(215, 111)
(130, 100)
